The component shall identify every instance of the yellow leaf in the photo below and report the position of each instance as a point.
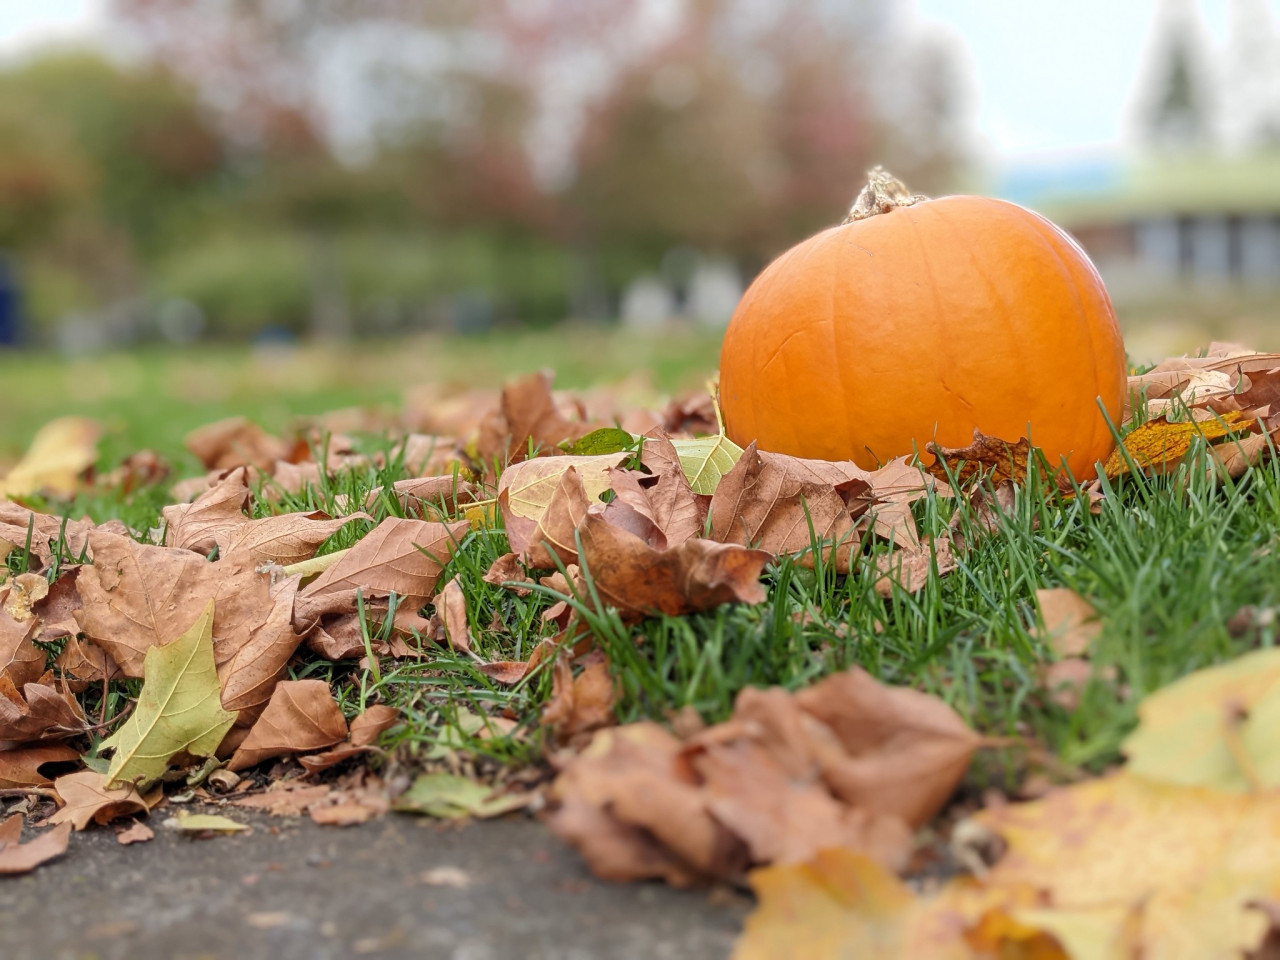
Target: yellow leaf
(1218, 727)
(179, 709)
(530, 485)
(705, 460)
(61, 451)
(1160, 443)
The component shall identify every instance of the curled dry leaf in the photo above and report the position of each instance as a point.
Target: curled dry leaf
(398, 556)
(60, 453)
(363, 736)
(56, 610)
(136, 832)
(1070, 621)
(300, 717)
(237, 442)
(194, 526)
(86, 799)
(785, 504)
(640, 581)
(1000, 460)
(18, 858)
(451, 604)
(38, 712)
(528, 416)
(21, 661)
(582, 703)
(509, 573)
(21, 768)
(543, 501)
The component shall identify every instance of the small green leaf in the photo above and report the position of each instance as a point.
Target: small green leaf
(179, 708)
(201, 822)
(600, 442)
(706, 460)
(451, 797)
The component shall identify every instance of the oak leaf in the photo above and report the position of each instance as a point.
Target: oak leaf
(17, 857)
(179, 708)
(87, 799)
(301, 716)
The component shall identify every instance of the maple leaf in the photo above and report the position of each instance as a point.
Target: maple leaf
(1218, 727)
(17, 857)
(179, 708)
(87, 799)
(301, 716)
(783, 504)
(61, 451)
(1000, 460)
(1159, 444)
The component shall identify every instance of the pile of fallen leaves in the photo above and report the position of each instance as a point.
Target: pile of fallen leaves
(144, 670)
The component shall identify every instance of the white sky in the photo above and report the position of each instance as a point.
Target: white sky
(1049, 75)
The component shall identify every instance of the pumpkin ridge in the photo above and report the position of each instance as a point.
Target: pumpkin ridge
(836, 340)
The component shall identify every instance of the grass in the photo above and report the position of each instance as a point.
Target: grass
(1183, 570)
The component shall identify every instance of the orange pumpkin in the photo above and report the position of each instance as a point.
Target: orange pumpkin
(920, 320)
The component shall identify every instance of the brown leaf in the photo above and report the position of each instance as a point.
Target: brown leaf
(21, 661)
(986, 510)
(300, 717)
(543, 500)
(640, 581)
(145, 468)
(83, 663)
(21, 768)
(39, 712)
(1065, 680)
(284, 539)
(46, 530)
(507, 569)
(783, 504)
(451, 604)
(676, 510)
(136, 832)
(1070, 622)
(582, 703)
(910, 569)
(528, 416)
(513, 671)
(398, 556)
(903, 751)
(427, 455)
(1234, 456)
(56, 610)
(365, 730)
(992, 457)
(286, 798)
(427, 498)
(196, 525)
(236, 442)
(253, 639)
(18, 858)
(86, 799)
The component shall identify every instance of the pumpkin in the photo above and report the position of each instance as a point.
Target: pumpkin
(921, 320)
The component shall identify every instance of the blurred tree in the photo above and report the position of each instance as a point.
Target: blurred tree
(1177, 111)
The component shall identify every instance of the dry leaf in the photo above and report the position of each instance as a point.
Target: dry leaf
(1000, 460)
(528, 417)
(507, 572)
(87, 799)
(56, 610)
(237, 442)
(365, 730)
(1071, 623)
(20, 768)
(1160, 444)
(21, 661)
(17, 857)
(60, 453)
(300, 717)
(398, 556)
(427, 498)
(136, 832)
(677, 511)
(1235, 456)
(543, 501)
(910, 570)
(641, 581)
(205, 823)
(783, 505)
(582, 703)
(39, 712)
(286, 798)
(194, 526)
(451, 604)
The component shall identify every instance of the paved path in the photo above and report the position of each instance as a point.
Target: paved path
(294, 891)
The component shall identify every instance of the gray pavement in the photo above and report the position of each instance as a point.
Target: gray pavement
(292, 890)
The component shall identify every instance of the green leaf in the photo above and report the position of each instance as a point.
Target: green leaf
(706, 460)
(1218, 727)
(451, 797)
(179, 708)
(600, 442)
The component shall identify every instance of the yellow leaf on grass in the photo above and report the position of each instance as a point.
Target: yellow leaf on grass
(1218, 727)
(1161, 443)
(705, 460)
(530, 485)
(179, 709)
(61, 451)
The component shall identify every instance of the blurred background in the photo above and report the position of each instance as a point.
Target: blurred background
(197, 195)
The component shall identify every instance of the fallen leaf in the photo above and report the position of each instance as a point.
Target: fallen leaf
(61, 451)
(20, 768)
(178, 709)
(543, 501)
(999, 460)
(451, 604)
(136, 832)
(21, 661)
(446, 876)
(1218, 727)
(1235, 456)
(194, 526)
(706, 460)
(237, 442)
(39, 712)
(786, 505)
(451, 797)
(910, 570)
(640, 581)
(1159, 444)
(507, 572)
(676, 510)
(513, 671)
(1070, 621)
(427, 498)
(398, 556)
(301, 716)
(426, 455)
(528, 417)
(18, 858)
(341, 815)
(56, 610)
(25, 590)
(286, 798)
(365, 731)
(87, 799)
(582, 703)
(206, 823)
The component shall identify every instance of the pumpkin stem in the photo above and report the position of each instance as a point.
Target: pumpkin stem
(883, 192)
